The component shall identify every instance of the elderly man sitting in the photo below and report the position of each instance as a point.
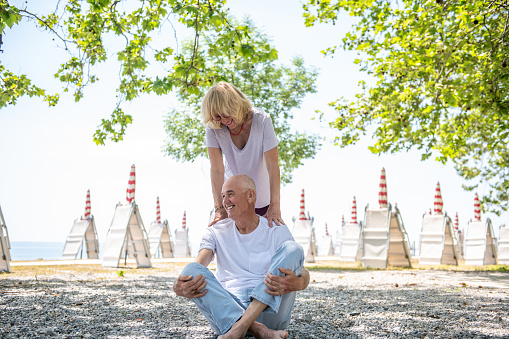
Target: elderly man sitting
(259, 268)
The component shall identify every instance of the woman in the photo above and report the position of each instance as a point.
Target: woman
(245, 135)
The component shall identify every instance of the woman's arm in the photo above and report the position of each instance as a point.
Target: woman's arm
(217, 180)
(274, 212)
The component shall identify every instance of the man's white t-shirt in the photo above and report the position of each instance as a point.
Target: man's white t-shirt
(243, 260)
(249, 160)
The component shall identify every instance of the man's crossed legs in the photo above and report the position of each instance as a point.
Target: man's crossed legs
(264, 315)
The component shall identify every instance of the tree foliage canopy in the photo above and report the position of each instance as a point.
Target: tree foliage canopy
(83, 28)
(441, 83)
(276, 89)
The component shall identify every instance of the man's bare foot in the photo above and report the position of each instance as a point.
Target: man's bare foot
(236, 332)
(260, 331)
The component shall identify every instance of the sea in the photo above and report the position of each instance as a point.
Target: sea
(25, 250)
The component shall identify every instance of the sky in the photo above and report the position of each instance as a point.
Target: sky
(48, 159)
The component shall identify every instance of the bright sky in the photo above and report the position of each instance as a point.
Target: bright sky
(48, 159)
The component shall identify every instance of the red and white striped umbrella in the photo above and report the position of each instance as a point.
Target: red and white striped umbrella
(342, 220)
(382, 192)
(477, 208)
(158, 212)
(87, 206)
(326, 230)
(439, 203)
(184, 222)
(354, 211)
(131, 185)
(456, 223)
(302, 215)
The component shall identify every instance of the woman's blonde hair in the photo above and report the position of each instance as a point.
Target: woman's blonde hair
(224, 99)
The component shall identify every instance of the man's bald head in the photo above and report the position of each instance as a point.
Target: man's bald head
(239, 196)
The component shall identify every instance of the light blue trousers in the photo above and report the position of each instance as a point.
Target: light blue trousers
(222, 309)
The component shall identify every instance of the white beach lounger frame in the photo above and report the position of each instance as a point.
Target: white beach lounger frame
(399, 254)
(438, 243)
(351, 242)
(83, 237)
(503, 245)
(384, 239)
(160, 240)
(182, 246)
(480, 247)
(5, 245)
(126, 238)
(304, 234)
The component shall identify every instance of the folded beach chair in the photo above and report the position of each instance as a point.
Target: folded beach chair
(182, 245)
(126, 236)
(83, 237)
(375, 237)
(503, 245)
(5, 246)
(480, 247)
(438, 243)
(351, 242)
(303, 232)
(326, 247)
(159, 237)
(339, 237)
(398, 253)
(160, 240)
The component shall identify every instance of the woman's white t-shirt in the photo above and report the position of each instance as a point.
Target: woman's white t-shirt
(249, 160)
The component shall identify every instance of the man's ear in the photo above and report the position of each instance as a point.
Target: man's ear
(251, 196)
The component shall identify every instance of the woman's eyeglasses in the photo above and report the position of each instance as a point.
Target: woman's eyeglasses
(219, 117)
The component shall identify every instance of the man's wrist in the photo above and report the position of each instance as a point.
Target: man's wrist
(217, 209)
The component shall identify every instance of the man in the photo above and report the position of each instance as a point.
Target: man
(259, 270)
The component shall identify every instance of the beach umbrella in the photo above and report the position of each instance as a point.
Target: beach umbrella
(131, 185)
(382, 192)
(342, 220)
(354, 211)
(439, 204)
(326, 230)
(87, 206)
(158, 212)
(302, 215)
(456, 223)
(184, 222)
(477, 208)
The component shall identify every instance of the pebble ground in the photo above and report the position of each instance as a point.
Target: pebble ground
(65, 302)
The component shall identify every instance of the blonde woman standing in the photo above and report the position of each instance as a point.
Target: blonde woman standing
(245, 136)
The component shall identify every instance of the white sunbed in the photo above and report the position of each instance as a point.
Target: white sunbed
(182, 247)
(160, 240)
(398, 253)
(326, 247)
(480, 247)
(438, 243)
(304, 234)
(5, 256)
(503, 245)
(351, 242)
(126, 238)
(83, 237)
(375, 237)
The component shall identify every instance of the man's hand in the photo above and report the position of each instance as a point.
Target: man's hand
(282, 285)
(187, 287)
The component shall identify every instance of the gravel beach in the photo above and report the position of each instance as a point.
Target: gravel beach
(88, 301)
